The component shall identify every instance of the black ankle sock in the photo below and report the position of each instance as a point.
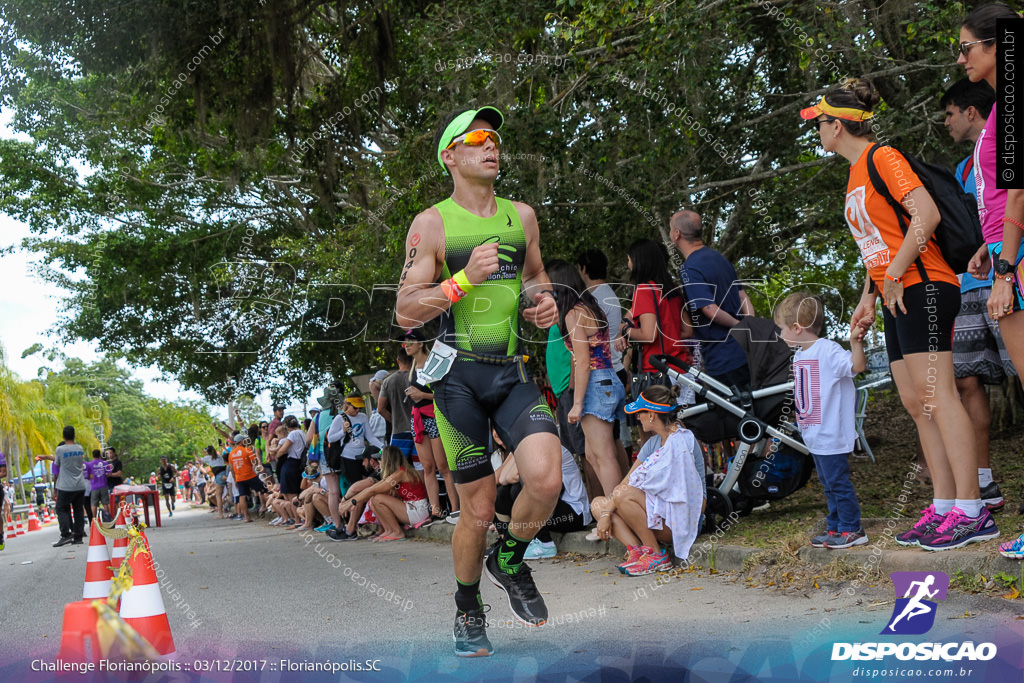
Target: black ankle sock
(510, 554)
(467, 596)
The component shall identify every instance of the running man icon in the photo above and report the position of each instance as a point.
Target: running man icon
(919, 590)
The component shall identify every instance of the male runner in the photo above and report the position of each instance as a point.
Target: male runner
(168, 481)
(484, 250)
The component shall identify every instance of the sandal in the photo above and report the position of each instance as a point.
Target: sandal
(388, 539)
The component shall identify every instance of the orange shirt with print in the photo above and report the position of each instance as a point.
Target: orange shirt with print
(241, 463)
(874, 225)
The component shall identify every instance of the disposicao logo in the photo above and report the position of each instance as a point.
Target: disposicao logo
(914, 614)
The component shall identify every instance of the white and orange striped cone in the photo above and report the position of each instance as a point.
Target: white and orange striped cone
(10, 531)
(19, 529)
(98, 576)
(142, 605)
(33, 521)
(120, 544)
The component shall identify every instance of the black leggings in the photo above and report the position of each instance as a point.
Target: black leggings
(562, 520)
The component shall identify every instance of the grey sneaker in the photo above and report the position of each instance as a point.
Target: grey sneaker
(470, 634)
(819, 540)
(846, 539)
(992, 497)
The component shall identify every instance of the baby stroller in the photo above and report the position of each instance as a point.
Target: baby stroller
(771, 461)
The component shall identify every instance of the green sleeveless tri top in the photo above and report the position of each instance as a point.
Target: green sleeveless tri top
(487, 319)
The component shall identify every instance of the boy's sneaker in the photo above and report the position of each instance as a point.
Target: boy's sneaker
(819, 540)
(170, 513)
(957, 530)
(3, 543)
(846, 539)
(324, 528)
(633, 554)
(523, 597)
(470, 634)
(538, 550)
(650, 561)
(453, 518)
(1013, 549)
(992, 497)
(276, 521)
(929, 521)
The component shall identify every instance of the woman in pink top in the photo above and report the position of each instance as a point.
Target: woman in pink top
(1001, 211)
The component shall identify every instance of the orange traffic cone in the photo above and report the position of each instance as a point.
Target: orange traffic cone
(98, 576)
(142, 606)
(120, 544)
(79, 641)
(33, 521)
(47, 517)
(10, 531)
(19, 528)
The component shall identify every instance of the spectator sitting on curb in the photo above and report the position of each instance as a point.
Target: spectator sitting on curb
(662, 497)
(571, 513)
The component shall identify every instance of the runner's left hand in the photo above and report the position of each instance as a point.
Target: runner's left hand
(544, 314)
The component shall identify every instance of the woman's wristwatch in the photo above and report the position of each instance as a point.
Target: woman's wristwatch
(1004, 270)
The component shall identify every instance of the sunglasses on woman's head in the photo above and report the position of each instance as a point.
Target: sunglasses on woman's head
(474, 138)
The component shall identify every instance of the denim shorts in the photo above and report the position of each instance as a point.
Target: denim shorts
(606, 397)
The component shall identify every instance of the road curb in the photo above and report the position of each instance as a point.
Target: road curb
(733, 557)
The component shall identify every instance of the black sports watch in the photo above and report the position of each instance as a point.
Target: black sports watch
(1003, 267)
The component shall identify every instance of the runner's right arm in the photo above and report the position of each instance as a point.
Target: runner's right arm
(420, 298)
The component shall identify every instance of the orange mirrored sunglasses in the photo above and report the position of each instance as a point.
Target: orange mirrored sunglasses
(475, 138)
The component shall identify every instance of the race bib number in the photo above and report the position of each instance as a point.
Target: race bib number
(438, 363)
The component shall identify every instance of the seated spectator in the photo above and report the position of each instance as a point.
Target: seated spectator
(305, 519)
(400, 498)
(571, 513)
(662, 497)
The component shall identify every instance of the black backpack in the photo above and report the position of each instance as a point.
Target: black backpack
(958, 234)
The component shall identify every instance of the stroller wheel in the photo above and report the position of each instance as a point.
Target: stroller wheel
(717, 512)
(742, 505)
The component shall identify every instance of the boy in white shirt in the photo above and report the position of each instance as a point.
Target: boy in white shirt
(825, 399)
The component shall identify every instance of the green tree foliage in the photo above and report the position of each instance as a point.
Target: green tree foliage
(140, 427)
(248, 169)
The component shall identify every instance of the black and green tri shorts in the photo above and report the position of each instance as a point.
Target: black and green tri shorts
(474, 395)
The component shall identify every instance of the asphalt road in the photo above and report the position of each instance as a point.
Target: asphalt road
(238, 593)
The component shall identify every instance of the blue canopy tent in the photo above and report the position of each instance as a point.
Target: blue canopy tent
(38, 471)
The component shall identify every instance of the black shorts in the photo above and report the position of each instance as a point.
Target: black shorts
(927, 326)
(352, 471)
(250, 486)
(473, 395)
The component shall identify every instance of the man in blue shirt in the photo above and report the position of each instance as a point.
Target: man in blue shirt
(979, 356)
(715, 299)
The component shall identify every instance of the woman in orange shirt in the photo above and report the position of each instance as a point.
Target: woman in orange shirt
(921, 297)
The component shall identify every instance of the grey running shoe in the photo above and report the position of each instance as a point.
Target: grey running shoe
(470, 634)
